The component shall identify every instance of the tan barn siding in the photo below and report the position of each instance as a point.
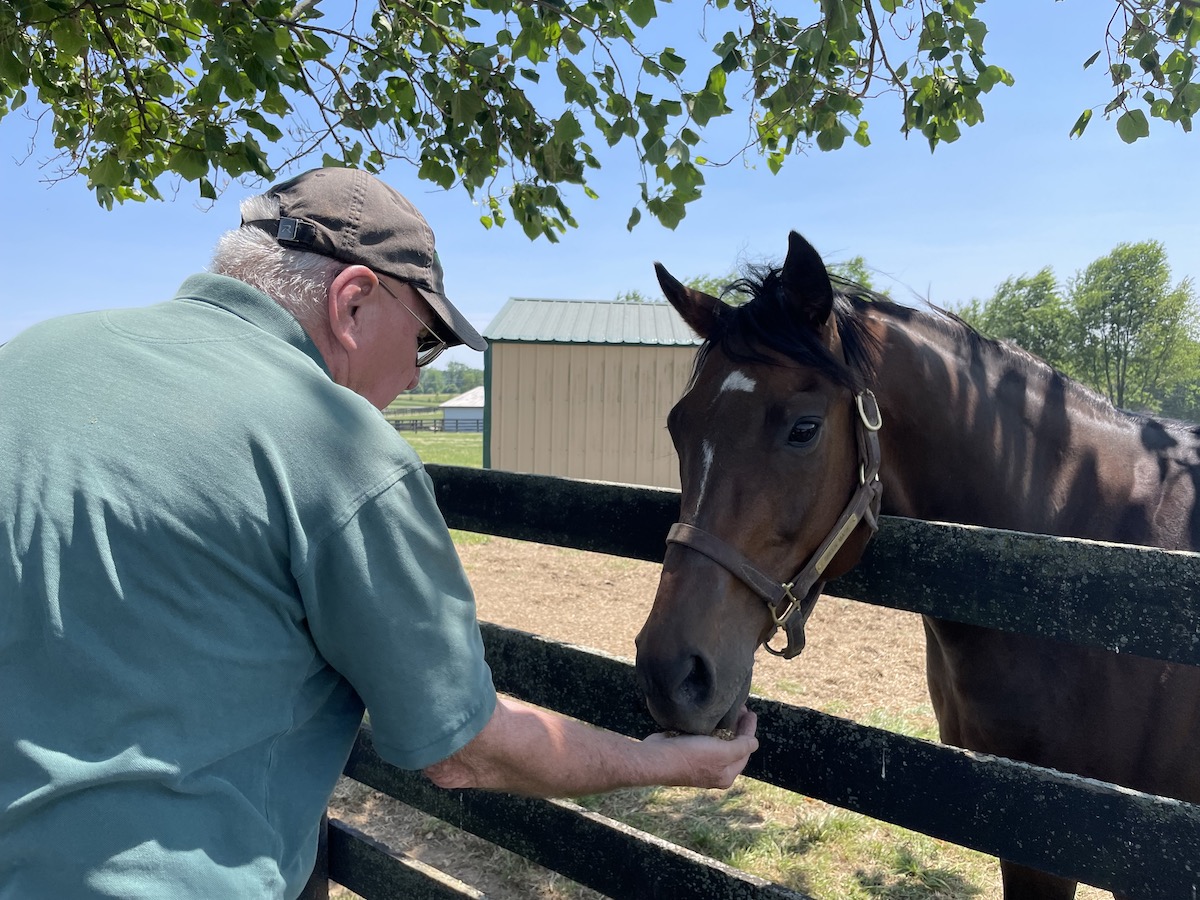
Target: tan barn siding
(607, 397)
(587, 410)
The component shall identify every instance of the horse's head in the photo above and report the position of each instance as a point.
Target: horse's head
(773, 434)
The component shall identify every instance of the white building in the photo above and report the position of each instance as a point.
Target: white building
(464, 412)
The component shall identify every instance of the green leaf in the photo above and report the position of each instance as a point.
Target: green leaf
(1133, 125)
(641, 12)
(191, 164)
(572, 41)
(1091, 59)
(1081, 123)
(832, 138)
(671, 62)
(106, 171)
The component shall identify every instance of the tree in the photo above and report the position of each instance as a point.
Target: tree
(460, 378)
(714, 285)
(854, 269)
(432, 381)
(1118, 326)
(1134, 329)
(633, 295)
(1030, 312)
(455, 378)
(506, 98)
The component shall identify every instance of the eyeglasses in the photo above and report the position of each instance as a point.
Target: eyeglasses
(429, 345)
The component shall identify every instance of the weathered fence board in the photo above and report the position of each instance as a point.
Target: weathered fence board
(372, 870)
(1132, 599)
(1122, 840)
(588, 848)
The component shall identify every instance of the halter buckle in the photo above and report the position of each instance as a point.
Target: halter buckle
(793, 605)
(872, 420)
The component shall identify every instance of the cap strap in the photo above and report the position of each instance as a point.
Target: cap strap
(287, 230)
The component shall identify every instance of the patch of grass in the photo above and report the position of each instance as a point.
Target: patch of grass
(468, 538)
(804, 844)
(915, 722)
(447, 449)
(909, 875)
(784, 689)
(453, 449)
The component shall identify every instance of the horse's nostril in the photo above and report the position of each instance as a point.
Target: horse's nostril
(697, 685)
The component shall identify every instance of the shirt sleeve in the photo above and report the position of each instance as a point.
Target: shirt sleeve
(390, 608)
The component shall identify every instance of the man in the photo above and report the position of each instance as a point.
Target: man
(214, 551)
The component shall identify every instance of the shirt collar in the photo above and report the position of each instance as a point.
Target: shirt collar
(254, 306)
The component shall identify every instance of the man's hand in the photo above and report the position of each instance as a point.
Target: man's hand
(525, 749)
(713, 762)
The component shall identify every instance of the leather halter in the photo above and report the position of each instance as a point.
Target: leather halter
(791, 602)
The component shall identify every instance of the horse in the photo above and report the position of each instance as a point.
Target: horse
(786, 462)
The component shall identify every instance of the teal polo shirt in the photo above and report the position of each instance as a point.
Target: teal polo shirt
(211, 557)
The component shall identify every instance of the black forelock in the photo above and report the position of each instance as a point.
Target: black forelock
(767, 321)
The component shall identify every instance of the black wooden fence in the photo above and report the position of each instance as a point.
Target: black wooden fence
(1128, 599)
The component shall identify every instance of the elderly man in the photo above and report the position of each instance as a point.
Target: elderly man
(214, 552)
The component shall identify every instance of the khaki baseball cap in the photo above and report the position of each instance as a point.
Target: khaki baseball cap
(352, 216)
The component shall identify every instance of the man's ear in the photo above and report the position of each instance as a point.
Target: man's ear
(352, 291)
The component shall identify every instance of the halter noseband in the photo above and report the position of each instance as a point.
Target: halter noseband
(792, 602)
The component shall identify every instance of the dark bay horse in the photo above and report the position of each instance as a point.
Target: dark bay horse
(782, 459)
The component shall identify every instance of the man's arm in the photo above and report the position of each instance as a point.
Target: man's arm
(528, 750)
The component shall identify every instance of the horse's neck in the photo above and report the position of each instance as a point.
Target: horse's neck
(977, 434)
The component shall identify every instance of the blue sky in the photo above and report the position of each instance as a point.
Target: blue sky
(1011, 196)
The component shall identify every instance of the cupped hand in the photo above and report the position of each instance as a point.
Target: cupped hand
(709, 762)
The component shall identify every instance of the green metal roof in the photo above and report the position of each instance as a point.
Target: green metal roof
(589, 322)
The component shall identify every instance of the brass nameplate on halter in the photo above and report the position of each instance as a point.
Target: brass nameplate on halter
(836, 544)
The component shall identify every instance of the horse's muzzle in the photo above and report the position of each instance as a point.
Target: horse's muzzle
(682, 693)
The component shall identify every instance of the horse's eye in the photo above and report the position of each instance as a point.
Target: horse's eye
(804, 432)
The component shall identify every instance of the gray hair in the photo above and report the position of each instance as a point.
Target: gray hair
(295, 279)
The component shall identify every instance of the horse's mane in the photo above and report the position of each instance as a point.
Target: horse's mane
(767, 320)
(1017, 358)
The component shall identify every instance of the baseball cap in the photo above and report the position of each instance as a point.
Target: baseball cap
(352, 216)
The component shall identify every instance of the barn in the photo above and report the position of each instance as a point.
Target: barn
(464, 412)
(582, 389)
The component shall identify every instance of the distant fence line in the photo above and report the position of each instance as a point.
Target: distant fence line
(437, 424)
(411, 410)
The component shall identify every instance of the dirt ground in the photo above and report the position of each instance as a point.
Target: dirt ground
(860, 661)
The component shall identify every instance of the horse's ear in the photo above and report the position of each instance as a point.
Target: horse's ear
(806, 281)
(698, 309)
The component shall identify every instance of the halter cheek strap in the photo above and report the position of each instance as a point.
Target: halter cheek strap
(792, 602)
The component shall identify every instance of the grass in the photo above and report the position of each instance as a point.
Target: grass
(802, 843)
(451, 449)
(447, 449)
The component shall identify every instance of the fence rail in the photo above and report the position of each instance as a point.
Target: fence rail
(1122, 840)
(442, 424)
